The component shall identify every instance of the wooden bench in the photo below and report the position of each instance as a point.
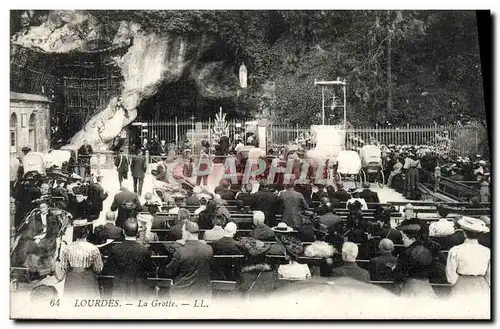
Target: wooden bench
(156, 284)
(223, 288)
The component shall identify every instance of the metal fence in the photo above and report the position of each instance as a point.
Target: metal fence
(193, 132)
(452, 140)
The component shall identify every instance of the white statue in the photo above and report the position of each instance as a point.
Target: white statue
(243, 76)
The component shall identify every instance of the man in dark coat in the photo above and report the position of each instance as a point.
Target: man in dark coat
(293, 205)
(368, 195)
(327, 216)
(320, 193)
(121, 164)
(130, 263)
(175, 232)
(405, 268)
(190, 265)
(227, 245)
(246, 195)
(224, 144)
(80, 206)
(25, 195)
(381, 266)
(127, 203)
(267, 202)
(97, 195)
(138, 168)
(84, 154)
(111, 231)
(350, 268)
(261, 231)
(341, 194)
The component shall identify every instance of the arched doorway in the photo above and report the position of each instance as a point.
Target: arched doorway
(32, 132)
(13, 133)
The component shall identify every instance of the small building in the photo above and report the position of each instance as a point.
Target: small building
(29, 123)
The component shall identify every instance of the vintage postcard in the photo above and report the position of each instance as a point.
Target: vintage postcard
(249, 164)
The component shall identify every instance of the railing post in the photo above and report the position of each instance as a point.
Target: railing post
(98, 163)
(176, 133)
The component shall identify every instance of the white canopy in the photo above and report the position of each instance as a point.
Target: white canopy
(34, 161)
(349, 162)
(371, 153)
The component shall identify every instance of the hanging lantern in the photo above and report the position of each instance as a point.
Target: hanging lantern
(243, 76)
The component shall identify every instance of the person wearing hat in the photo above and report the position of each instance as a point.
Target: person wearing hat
(412, 165)
(356, 225)
(397, 168)
(145, 236)
(350, 268)
(367, 194)
(385, 230)
(175, 232)
(190, 266)
(60, 190)
(485, 238)
(127, 203)
(97, 195)
(188, 167)
(206, 217)
(25, 195)
(416, 263)
(130, 263)
(327, 215)
(80, 262)
(292, 247)
(138, 167)
(261, 231)
(245, 195)
(443, 227)
(122, 165)
(151, 206)
(163, 148)
(468, 265)
(79, 205)
(84, 154)
(341, 194)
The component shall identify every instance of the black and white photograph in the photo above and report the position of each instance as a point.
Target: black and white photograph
(250, 164)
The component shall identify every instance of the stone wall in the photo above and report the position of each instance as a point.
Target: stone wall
(29, 123)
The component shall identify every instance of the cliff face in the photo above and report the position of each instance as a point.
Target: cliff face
(151, 60)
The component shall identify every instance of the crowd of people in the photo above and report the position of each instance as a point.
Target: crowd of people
(190, 225)
(300, 223)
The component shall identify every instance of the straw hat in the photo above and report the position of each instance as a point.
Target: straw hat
(282, 228)
(473, 224)
(80, 222)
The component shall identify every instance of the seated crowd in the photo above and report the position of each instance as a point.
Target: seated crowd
(295, 231)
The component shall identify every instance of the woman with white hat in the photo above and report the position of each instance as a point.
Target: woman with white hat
(468, 264)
